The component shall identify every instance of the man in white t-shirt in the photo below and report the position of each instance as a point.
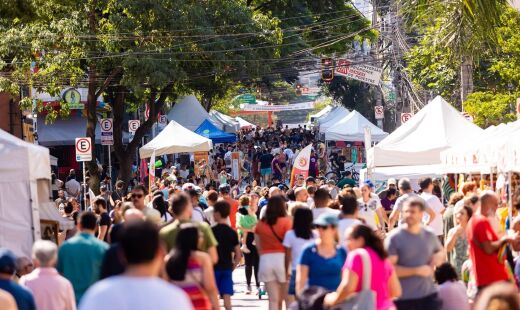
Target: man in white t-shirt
(406, 191)
(142, 287)
(321, 202)
(434, 203)
(349, 216)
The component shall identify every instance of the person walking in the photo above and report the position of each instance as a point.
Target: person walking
(348, 216)
(104, 222)
(252, 259)
(434, 203)
(80, 257)
(370, 209)
(23, 297)
(50, 289)
(322, 198)
(457, 241)
(142, 287)
(485, 247)
(192, 270)
(361, 240)
(321, 261)
(452, 292)
(406, 191)
(294, 242)
(415, 252)
(270, 231)
(229, 254)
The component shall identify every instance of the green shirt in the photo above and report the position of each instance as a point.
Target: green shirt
(169, 232)
(346, 181)
(79, 260)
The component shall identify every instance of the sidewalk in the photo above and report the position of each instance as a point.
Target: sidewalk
(240, 299)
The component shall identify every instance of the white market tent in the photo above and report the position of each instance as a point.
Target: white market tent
(189, 113)
(243, 123)
(352, 128)
(332, 118)
(24, 193)
(320, 114)
(224, 122)
(420, 141)
(175, 138)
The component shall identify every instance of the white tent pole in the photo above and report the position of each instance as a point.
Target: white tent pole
(110, 167)
(84, 189)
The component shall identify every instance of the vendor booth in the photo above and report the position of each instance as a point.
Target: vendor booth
(210, 131)
(332, 118)
(244, 124)
(325, 111)
(189, 113)
(175, 139)
(352, 128)
(227, 123)
(26, 211)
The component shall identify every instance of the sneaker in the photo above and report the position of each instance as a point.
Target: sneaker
(249, 290)
(244, 249)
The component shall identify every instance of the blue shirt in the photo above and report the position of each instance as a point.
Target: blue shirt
(323, 272)
(23, 297)
(79, 260)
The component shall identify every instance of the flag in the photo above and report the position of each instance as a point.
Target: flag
(301, 164)
(151, 172)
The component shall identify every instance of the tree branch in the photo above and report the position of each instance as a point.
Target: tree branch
(108, 80)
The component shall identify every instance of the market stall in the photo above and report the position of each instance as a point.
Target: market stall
(175, 139)
(210, 131)
(25, 195)
(352, 128)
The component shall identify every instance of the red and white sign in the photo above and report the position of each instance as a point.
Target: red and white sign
(301, 164)
(133, 125)
(361, 72)
(107, 131)
(275, 108)
(379, 111)
(405, 117)
(146, 112)
(83, 149)
(518, 107)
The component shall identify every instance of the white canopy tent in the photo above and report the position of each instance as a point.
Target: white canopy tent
(24, 193)
(327, 116)
(189, 113)
(420, 141)
(175, 138)
(224, 122)
(243, 123)
(332, 118)
(320, 114)
(352, 128)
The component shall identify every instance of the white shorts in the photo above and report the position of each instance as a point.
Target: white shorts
(272, 268)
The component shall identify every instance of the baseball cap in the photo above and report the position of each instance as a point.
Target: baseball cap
(369, 183)
(188, 186)
(392, 181)
(7, 261)
(326, 219)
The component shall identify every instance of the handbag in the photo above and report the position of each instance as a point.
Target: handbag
(366, 298)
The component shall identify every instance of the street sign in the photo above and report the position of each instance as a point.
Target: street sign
(133, 125)
(379, 111)
(107, 131)
(163, 119)
(405, 117)
(361, 72)
(247, 99)
(83, 149)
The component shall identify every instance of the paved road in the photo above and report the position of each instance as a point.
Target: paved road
(242, 301)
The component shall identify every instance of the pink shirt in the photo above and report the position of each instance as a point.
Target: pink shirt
(50, 290)
(381, 272)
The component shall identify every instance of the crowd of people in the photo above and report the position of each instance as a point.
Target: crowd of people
(309, 245)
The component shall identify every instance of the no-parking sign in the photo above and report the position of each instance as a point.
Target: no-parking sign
(133, 125)
(405, 117)
(107, 131)
(83, 149)
(379, 111)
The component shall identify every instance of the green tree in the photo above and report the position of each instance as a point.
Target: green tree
(134, 52)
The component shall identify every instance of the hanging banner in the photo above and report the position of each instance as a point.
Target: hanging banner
(151, 172)
(361, 72)
(275, 108)
(301, 164)
(235, 165)
(200, 158)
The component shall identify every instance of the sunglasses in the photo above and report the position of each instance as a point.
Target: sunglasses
(137, 195)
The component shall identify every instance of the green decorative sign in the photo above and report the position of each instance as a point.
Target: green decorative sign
(247, 99)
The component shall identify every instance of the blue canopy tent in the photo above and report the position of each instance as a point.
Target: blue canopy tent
(208, 130)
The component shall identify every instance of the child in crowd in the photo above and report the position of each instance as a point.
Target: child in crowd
(246, 220)
(229, 254)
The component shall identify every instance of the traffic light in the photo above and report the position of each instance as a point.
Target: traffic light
(298, 89)
(327, 69)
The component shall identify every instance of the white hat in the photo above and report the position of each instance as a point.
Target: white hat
(392, 181)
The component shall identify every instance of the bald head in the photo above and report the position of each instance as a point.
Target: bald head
(134, 215)
(488, 202)
(301, 194)
(274, 191)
